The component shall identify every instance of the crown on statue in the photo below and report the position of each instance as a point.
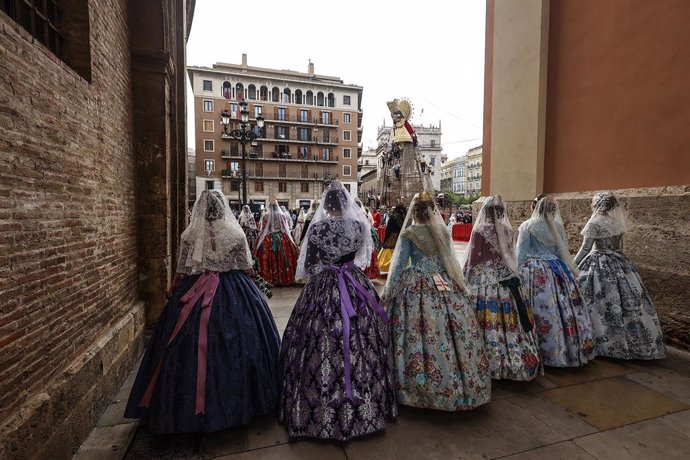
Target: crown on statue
(425, 196)
(402, 105)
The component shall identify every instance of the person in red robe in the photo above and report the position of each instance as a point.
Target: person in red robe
(376, 215)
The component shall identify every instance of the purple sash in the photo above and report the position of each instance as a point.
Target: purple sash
(348, 311)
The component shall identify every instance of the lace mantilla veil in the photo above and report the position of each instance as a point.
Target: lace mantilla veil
(493, 224)
(341, 238)
(214, 240)
(546, 225)
(608, 217)
(247, 218)
(439, 244)
(274, 220)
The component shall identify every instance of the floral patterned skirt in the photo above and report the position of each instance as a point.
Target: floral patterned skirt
(624, 318)
(563, 326)
(440, 362)
(513, 353)
(277, 256)
(313, 401)
(297, 233)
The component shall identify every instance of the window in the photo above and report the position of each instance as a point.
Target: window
(304, 115)
(347, 135)
(346, 100)
(347, 170)
(347, 187)
(281, 132)
(209, 185)
(235, 165)
(304, 171)
(326, 118)
(280, 114)
(282, 187)
(227, 90)
(433, 143)
(208, 126)
(64, 31)
(432, 161)
(234, 186)
(208, 85)
(304, 134)
(259, 169)
(303, 152)
(347, 153)
(304, 187)
(259, 186)
(282, 170)
(347, 118)
(326, 154)
(258, 110)
(209, 166)
(208, 106)
(209, 145)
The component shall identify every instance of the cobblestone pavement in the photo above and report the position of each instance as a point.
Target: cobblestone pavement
(608, 409)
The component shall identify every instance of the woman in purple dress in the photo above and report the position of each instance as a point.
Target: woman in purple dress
(336, 364)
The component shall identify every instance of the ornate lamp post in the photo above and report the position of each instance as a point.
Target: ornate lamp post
(244, 135)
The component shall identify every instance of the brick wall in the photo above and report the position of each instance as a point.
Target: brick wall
(658, 244)
(70, 321)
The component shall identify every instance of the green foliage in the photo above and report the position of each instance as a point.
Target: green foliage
(455, 199)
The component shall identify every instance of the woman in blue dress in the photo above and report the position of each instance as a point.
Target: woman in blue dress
(440, 361)
(623, 315)
(548, 275)
(211, 362)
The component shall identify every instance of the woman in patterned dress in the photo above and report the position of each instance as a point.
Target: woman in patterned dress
(299, 225)
(336, 365)
(440, 361)
(548, 274)
(493, 281)
(248, 224)
(623, 315)
(276, 250)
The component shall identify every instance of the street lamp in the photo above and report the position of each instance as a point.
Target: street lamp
(244, 135)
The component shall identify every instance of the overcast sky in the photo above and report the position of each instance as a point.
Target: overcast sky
(430, 51)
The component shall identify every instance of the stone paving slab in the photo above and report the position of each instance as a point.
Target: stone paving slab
(665, 381)
(613, 402)
(680, 422)
(597, 369)
(567, 450)
(640, 441)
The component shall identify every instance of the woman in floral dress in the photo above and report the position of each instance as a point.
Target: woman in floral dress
(493, 280)
(623, 315)
(299, 225)
(393, 227)
(336, 364)
(440, 361)
(248, 224)
(548, 274)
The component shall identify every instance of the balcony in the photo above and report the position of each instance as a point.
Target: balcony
(227, 154)
(310, 178)
(304, 141)
(291, 157)
(231, 174)
(301, 120)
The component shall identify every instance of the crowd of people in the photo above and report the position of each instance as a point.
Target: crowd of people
(435, 338)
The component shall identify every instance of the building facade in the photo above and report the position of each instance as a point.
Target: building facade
(580, 98)
(460, 176)
(312, 133)
(93, 157)
(447, 173)
(474, 170)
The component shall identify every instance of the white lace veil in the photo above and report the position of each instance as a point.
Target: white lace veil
(546, 225)
(493, 224)
(274, 220)
(301, 216)
(213, 241)
(337, 204)
(440, 238)
(247, 218)
(312, 210)
(365, 210)
(608, 217)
